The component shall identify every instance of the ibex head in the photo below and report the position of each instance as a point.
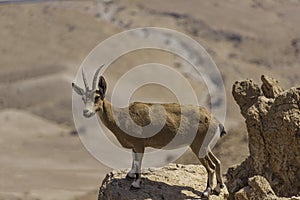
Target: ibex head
(92, 98)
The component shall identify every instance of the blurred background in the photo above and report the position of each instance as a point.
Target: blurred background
(43, 44)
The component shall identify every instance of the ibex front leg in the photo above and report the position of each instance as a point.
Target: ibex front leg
(136, 168)
(132, 172)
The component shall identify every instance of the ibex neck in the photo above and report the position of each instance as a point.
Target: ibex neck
(107, 117)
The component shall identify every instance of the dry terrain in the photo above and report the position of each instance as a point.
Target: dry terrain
(43, 44)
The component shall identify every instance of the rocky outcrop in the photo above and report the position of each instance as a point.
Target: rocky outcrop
(258, 188)
(174, 181)
(273, 123)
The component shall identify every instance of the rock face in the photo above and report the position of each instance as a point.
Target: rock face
(171, 182)
(258, 188)
(273, 123)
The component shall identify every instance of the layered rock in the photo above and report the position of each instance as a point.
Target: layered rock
(170, 182)
(273, 123)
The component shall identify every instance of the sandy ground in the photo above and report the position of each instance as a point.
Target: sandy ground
(43, 44)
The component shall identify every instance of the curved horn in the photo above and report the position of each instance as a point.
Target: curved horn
(95, 77)
(86, 85)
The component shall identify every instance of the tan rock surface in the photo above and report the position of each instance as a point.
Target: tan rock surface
(170, 182)
(273, 122)
(259, 188)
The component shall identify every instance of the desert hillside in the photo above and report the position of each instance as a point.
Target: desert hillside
(43, 45)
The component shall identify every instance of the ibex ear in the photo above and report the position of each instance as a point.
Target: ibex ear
(77, 89)
(102, 87)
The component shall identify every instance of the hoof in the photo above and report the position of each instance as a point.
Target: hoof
(206, 193)
(135, 185)
(216, 192)
(217, 189)
(132, 188)
(129, 177)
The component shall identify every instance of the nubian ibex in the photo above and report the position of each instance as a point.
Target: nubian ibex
(139, 113)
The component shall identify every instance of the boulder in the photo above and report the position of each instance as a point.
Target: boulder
(174, 181)
(259, 188)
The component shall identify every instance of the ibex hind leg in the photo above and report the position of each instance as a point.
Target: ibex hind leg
(220, 184)
(210, 175)
(204, 161)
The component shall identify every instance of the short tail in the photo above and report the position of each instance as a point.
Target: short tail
(222, 130)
